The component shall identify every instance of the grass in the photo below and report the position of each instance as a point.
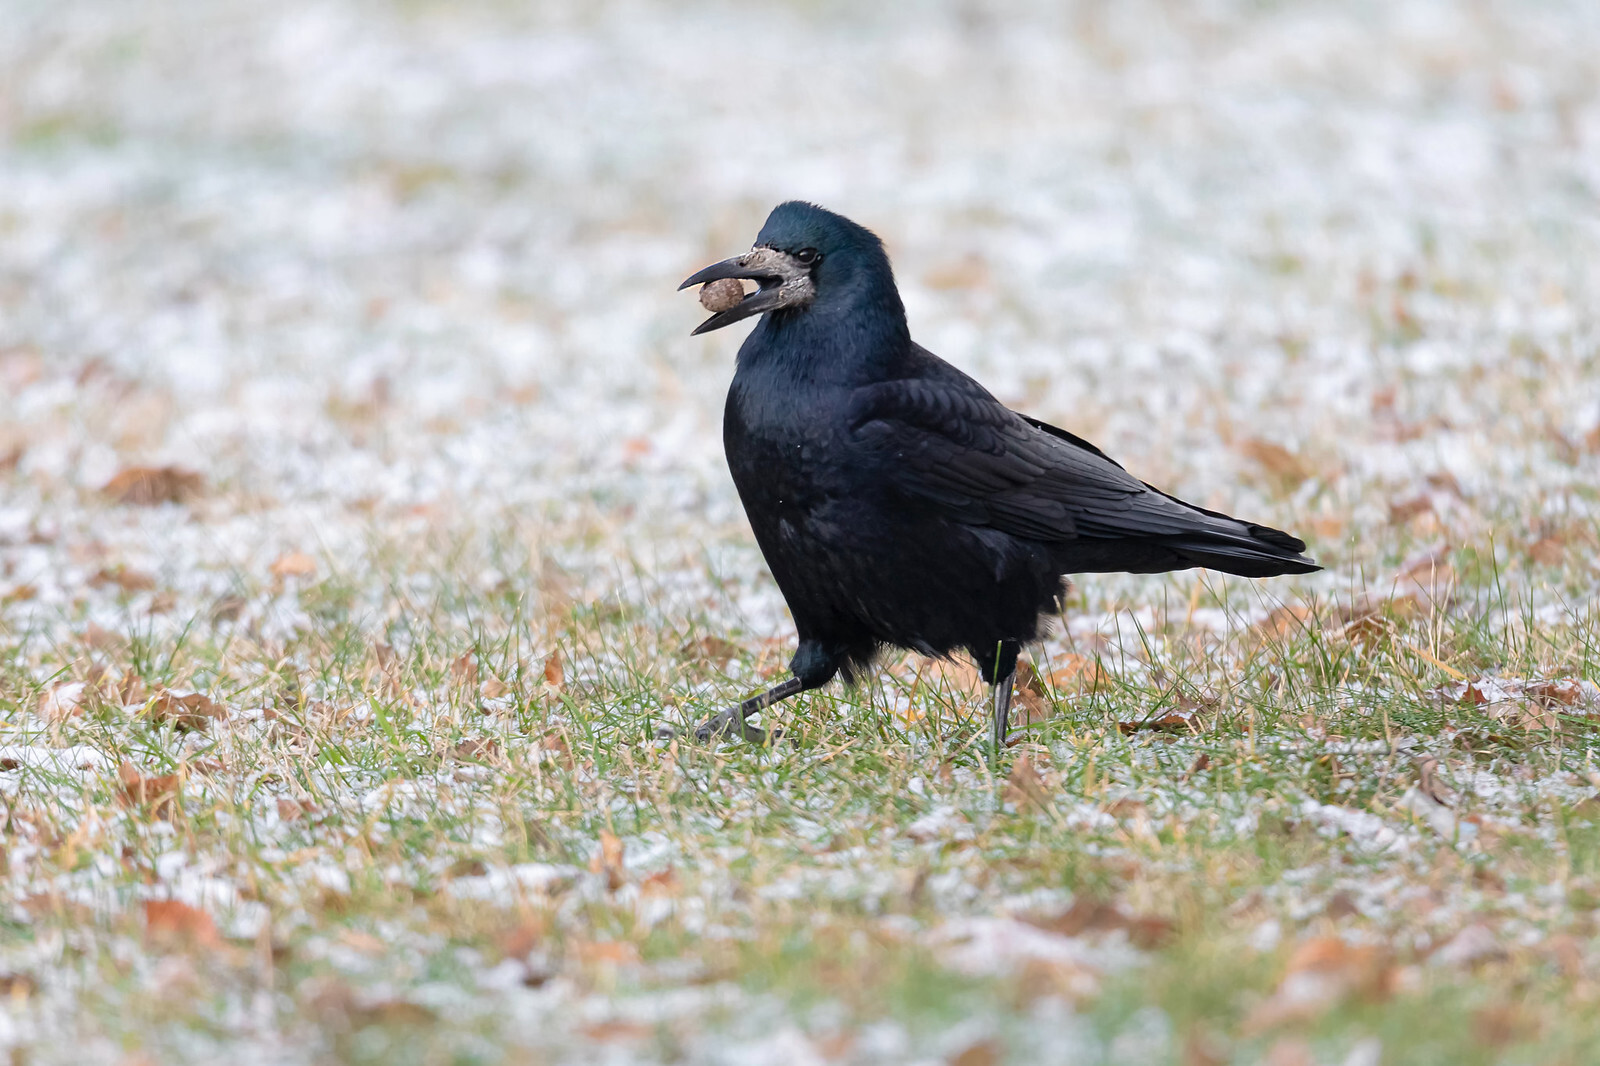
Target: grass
(436, 827)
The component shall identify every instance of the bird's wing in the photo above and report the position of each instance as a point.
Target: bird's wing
(950, 444)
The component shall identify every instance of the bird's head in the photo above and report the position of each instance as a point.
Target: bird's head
(805, 258)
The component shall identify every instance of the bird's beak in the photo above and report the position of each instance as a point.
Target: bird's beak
(784, 282)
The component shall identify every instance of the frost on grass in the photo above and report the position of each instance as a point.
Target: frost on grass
(362, 514)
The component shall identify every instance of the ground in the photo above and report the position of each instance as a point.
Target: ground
(362, 517)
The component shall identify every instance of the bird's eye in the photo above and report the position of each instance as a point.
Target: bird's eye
(807, 256)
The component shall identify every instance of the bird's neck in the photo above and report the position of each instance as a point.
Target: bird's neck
(852, 342)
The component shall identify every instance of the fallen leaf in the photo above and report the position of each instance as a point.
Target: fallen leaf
(294, 564)
(1282, 623)
(478, 750)
(467, 868)
(1172, 721)
(614, 952)
(1089, 915)
(1276, 460)
(156, 794)
(978, 1053)
(1077, 673)
(1499, 1024)
(708, 649)
(147, 486)
(170, 923)
(1290, 1051)
(192, 712)
(517, 941)
(554, 674)
(1403, 511)
(493, 689)
(17, 986)
(123, 578)
(464, 670)
(660, 883)
(1031, 705)
(61, 701)
(1549, 551)
(1566, 693)
(1428, 781)
(615, 1031)
(608, 861)
(100, 638)
(1126, 807)
(1472, 946)
(1024, 786)
(128, 690)
(1323, 972)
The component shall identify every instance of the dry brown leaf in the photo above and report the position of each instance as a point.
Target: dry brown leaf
(492, 689)
(156, 794)
(61, 701)
(1126, 807)
(1548, 550)
(1565, 693)
(294, 564)
(169, 923)
(968, 272)
(1276, 460)
(556, 745)
(1472, 946)
(1403, 511)
(1282, 623)
(1077, 673)
(614, 952)
(555, 674)
(709, 649)
(478, 750)
(191, 712)
(390, 672)
(1024, 786)
(1180, 720)
(661, 883)
(147, 486)
(1323, 972)
(608, 861)
(123, 578)
(290, 810)
(616, 1030)
(464, 670)
(100, 638)
(517, 941)
(1290, 1051)
(17, 986)
(1428, 781)
(1029, 702)
(979, 1053)
(1087, 915)
(129, 689)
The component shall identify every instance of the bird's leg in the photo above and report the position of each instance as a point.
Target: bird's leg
(999, 667)
(1002, 713)
(733, 720)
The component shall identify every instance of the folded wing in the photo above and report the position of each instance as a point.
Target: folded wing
(948, 444)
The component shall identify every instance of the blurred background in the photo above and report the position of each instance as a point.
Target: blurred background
(333, 270)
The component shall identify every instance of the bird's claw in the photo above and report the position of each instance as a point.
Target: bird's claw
(731, 723)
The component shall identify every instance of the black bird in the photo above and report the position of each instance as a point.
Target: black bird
(896, 501)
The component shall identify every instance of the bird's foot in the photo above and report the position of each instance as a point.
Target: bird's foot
(731, 723)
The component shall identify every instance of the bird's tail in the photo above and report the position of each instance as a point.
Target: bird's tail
(1256, 551)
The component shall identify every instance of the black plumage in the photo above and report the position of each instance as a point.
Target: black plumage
(896, 501)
